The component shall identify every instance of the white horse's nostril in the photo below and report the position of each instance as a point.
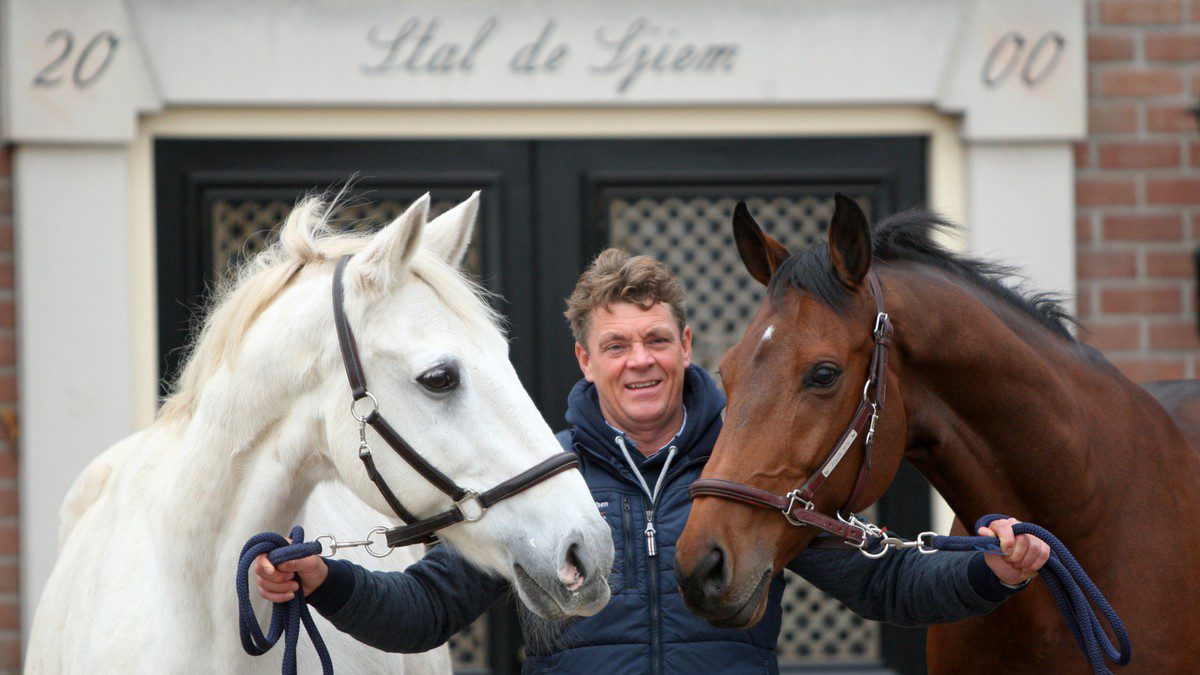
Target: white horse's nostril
(571, 577)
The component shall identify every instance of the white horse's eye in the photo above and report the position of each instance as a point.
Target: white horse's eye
(440, 379)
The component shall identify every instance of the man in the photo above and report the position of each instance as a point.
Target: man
(643, 424)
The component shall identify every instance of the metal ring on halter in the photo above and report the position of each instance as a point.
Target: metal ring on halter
(471, 496)
(386, 550)
(867, 387)
(362, 419)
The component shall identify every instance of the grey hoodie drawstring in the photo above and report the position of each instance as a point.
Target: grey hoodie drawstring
(651, 544)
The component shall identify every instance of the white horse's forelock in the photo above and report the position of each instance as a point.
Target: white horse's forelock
(305, 238)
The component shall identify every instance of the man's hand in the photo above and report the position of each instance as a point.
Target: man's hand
(1023, 555)
(276, 583)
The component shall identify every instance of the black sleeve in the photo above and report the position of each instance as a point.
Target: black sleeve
(411, 611)
(905, 587)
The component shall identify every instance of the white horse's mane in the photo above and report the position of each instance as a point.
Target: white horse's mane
(305, 238)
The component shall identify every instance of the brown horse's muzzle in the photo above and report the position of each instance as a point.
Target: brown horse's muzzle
(726, 594)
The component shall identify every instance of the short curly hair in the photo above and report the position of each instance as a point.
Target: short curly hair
(616, 276)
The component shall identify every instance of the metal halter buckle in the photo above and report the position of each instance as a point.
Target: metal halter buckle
(794, 498)
(881, 321)
(477, 513)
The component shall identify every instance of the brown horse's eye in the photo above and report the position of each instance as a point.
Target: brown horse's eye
(440, 379)
(823, 376)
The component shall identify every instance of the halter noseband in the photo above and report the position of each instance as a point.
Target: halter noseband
(797, 505)
(469, 505)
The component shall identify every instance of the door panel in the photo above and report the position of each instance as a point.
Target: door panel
(548, 208)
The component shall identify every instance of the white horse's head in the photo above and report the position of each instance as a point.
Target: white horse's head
(437, 363)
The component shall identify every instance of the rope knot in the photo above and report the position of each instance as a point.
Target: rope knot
(286, 617)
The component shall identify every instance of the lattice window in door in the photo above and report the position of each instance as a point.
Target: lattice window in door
(692, 235)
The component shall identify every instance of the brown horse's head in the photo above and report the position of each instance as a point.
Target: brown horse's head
(793, 382)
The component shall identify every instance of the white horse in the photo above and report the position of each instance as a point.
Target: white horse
(152, 529)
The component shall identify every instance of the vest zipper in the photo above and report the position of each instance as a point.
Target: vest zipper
(630, 565)
(650, 532)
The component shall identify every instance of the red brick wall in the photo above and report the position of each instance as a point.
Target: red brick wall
(1138, 186)
(10, 638)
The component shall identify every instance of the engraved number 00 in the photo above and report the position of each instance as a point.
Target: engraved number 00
(1008, 53)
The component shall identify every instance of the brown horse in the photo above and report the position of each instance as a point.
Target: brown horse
(992, 399)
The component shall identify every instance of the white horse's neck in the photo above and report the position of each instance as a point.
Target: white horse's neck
(247, 461)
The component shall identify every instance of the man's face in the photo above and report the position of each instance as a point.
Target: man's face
(636, 357)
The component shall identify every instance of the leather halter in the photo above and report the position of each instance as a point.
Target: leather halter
(469, 505)
(797, 505)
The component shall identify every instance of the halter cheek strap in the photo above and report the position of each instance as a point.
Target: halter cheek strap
(469, 505)
(797, 506)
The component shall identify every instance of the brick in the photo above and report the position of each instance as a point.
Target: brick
(1082, 155)
(10, 577)
(1140, 82)
(1174, 335)
(1170, 118)
(1141, 11)
(1101, 192)
(10, 539)
(1106, 265)
(8, 350)
(1141, 300)
(1180, 190)
(1140, 155)
(1083, 230)
(8, 388)
(1119, 118)
(7, 314)
(10, 652)
(1194, 155)
(1084, 307)
(1113, 336)
(10, 615)
(1147, 370)
(1172, 46)
(1170, 264)
(6, 160)
(6, 239)
(8, 465)
(1166, 227)
(1110, 47)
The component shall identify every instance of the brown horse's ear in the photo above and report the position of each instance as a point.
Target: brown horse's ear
(761, 254)
(849, 241)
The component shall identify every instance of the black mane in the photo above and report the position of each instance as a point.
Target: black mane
(908, 236)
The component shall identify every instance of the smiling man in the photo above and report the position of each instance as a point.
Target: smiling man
(643, 423)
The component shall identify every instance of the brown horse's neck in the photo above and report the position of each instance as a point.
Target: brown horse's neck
(1005, 416)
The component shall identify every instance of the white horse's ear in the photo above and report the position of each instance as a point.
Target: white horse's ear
(449, 234)
(381, 264)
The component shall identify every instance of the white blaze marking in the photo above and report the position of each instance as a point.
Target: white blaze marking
(768, 333)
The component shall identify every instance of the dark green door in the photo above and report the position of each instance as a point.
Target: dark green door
(548, 208)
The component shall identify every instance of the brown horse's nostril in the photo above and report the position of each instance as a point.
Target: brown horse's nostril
(710, 575)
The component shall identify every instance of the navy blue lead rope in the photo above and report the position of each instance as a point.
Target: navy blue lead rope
(285, 616)
(1071, 588)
